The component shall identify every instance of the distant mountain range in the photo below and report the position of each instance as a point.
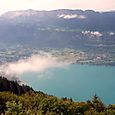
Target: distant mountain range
(57, 28)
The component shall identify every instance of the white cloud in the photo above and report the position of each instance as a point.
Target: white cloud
(71, 16)
(92, 33)
(35, 63)
(111, 33)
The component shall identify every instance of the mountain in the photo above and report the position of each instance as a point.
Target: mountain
(71, 19)
(57, 28)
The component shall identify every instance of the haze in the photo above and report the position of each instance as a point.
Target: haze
(97, 5)
(35, 63)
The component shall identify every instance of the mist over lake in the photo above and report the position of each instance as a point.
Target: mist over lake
(56, 72)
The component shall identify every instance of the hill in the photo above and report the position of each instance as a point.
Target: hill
(30, 102)
(13, 87)
(58, 28)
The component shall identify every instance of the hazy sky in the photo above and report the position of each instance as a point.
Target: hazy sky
(98, 5)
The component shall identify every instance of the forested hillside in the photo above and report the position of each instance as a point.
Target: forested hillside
(23, 100)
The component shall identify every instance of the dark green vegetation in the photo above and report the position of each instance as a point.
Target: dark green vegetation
(30, 102)
(13, 86)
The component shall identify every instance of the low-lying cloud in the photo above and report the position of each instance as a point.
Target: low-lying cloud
(35, 63)
(92, 33)
(71, 16)
(111, 33)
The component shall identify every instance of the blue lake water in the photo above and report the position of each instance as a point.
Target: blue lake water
(79, 82)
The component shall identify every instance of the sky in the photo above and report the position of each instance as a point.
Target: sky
(97, 5)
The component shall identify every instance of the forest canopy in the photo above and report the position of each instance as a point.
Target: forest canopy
(23, 100)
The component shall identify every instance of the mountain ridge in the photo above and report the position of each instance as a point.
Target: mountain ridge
(56, 28)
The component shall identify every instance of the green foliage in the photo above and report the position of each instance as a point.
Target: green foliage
(14, 108)
(38, 103)
(97, 103)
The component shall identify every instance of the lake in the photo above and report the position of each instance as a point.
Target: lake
(79, 82)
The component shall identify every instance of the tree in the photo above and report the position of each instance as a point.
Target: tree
(97, 103)
(14, 108)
